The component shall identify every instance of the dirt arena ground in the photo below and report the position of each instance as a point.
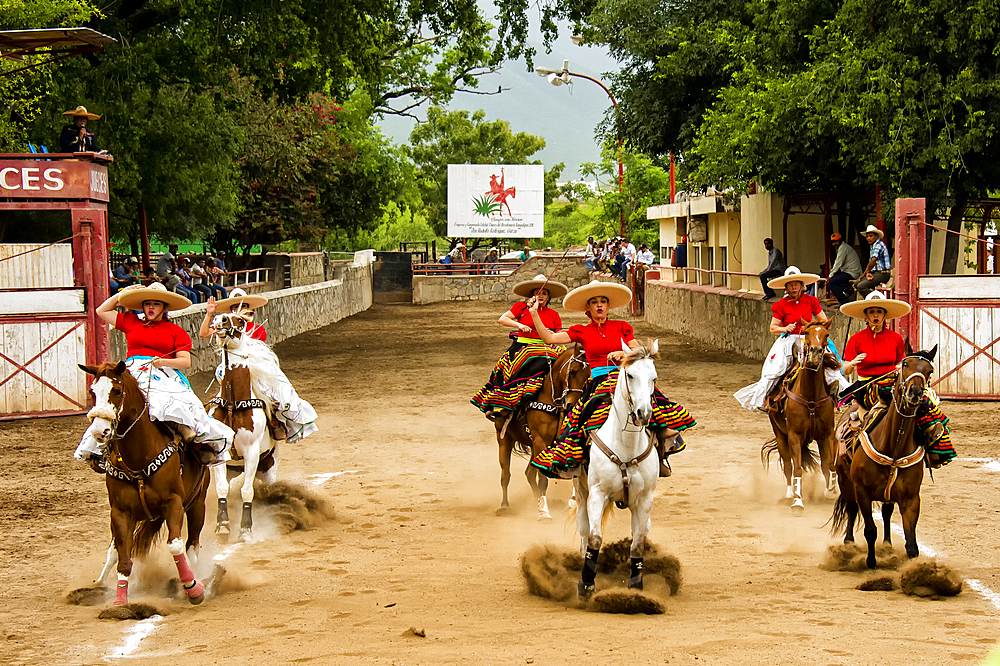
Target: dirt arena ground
(409, 468)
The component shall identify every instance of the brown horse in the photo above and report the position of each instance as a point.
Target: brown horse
(886, 466)
(533, 428)
(803, 416)
(151, 478)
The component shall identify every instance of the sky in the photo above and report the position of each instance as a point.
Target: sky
(565, 116)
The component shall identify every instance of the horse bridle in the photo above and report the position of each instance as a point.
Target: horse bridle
(892, 462)
(582, 360)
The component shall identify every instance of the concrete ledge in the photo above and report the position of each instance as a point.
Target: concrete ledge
(437, 288)
(734, 321)
(287, 313)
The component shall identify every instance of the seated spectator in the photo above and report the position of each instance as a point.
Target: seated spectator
(76, 138)
(607, 258)
(846, 269)
(593, 252)
(775, 267)
(166, 266)
(216, 274)
(125, 273)
(645, 256)
(185, 288)
(199, 274)
(877, 271)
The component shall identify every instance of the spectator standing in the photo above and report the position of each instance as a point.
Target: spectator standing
(166, 267)
(846, 268)
(775, 267)
(75, 137)
(220, 261)
(879, 264)
(492, 261)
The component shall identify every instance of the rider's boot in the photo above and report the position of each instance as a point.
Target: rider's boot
(934, 432)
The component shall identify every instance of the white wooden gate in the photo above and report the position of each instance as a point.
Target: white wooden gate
(42, 332)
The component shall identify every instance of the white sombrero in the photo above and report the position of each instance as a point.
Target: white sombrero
(528, 287)
(133, 298)
(617, 295)
(792, 274)
(892, 307)
(239, 297)
(872, 229)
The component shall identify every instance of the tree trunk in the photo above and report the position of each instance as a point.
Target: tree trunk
(952, 242)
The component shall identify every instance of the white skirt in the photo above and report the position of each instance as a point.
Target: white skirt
(779, 361)
(296, 414)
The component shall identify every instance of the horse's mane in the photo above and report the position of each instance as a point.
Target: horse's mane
(263, 363)
(640, 354)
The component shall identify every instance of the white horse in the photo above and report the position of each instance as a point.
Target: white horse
(623, 467)
(243, 405)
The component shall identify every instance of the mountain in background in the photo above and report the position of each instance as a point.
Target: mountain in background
(565, 116)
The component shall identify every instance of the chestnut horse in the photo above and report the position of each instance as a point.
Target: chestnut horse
(151, 478)
(806, 416)
(534, 428)
(886, 465)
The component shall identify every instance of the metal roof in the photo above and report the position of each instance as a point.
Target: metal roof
(56, 43)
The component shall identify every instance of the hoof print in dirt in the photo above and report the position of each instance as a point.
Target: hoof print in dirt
(629, 602)
(296, 508)
(927, 578)
(138, 611)
(89, 596)
(853, 556)
(879, 584)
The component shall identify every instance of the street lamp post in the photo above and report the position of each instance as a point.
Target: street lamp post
(558, 77)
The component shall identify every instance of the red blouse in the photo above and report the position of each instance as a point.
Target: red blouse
(882, 351)
(256, 331)
(598, 342)
(158, 339)
(549, 317)
(788, 311)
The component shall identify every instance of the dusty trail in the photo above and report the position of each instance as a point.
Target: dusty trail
(409, 467)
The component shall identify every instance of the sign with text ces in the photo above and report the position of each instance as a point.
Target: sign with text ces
(488, 200)
(53, 180)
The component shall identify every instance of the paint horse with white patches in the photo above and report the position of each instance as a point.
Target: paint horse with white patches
(243, 408)
(151, 478)
(621, 468)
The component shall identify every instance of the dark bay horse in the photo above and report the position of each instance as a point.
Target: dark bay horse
(533, 428)
(151, 478)
(806, 416)
(886, 466)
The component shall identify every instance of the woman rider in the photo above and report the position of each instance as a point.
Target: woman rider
(789, 316)
(602, 341)
(521, 371)
(157, 351)
(290, 412)
(876, 352)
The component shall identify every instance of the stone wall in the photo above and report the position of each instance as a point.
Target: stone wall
(288, 312)
(730, 320)
(437, 288)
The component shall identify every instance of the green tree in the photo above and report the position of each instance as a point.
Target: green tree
(455, 137)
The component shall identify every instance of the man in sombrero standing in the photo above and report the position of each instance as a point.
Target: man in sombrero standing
(75, 137)
(789, 316)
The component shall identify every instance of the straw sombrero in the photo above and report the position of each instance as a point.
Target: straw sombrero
(617, 295)
(133, 298)
(528, 287)
(239, 297)
(892, 307)
(82, 111)
(792, 274)
(872, 229)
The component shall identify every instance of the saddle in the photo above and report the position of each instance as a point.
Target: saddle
(853, 423)
(776, 399)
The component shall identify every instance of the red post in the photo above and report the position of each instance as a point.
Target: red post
(673, 179)
(144, 239)
(911, 263)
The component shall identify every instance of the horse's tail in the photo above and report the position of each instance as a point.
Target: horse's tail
(609, 512)
(839, 517)
(810, 459)
(770, 448)
(145, 535)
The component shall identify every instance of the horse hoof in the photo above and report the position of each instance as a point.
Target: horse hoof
(635, 583)
(503, 511)
(195, 593)
(871, 563)
(584, 591)
(830, 494)
(571, 505)
(544, 517)
(798, 508)
(222, 526)
(246, 536)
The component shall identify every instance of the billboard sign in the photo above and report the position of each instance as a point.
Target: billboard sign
(44, 179)
(487, 200)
